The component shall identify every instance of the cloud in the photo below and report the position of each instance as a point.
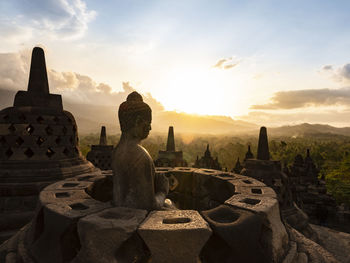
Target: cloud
(345, 72)
(304, 98)
(63, 19)
(74, 87)
(328, 67)
(340, 74)
(230, 66)
(226, 63)
(219, 63)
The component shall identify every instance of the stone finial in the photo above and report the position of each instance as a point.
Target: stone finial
(263, 146)
(238, 163)
(207, 151)
(38, 94)
(38, 76)
(249, 154)
(170, 146)
(103, 136)
(238, 167)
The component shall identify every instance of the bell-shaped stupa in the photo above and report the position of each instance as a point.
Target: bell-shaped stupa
(101, 154)
(38, 146)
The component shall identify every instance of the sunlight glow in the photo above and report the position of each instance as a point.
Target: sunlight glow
(200, 91)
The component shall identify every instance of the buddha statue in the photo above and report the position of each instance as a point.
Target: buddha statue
(135, 183)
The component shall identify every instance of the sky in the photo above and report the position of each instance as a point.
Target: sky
(268, 62)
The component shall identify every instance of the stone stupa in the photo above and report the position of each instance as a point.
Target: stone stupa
(38, 146)
(101, 154)
(170, 157)
(270, 173)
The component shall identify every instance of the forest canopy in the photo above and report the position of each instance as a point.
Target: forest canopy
(330, 152)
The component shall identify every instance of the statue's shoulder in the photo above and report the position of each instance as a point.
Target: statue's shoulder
(144, 152)
(131, 151)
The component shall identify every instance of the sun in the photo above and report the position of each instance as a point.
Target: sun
(199, 90)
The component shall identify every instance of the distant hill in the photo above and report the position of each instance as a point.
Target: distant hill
(90, 118)
(308, 129)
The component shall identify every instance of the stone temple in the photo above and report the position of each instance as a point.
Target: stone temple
(139, 213)
(170, 157)
(101, 154)
(39, 146)
(207, 161)
(270, 173)
(310, 193)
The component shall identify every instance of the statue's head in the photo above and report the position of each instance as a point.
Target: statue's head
(135, 116)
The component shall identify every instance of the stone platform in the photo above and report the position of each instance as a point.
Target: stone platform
(223, 217)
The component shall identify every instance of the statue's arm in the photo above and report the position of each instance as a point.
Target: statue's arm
(161, 189)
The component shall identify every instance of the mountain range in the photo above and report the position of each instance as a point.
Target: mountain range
(91, 117)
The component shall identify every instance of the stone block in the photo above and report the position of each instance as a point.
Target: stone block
(238, 234)
(256, 191)
(103, 233)
(247, 181)
(175, 236)
(54, 196)
(268, 209)
(55, 237)
(68, 185)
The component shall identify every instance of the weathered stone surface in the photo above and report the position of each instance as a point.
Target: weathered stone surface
(102, 234)
(237, 232)
(337, 243)
(255, 191)
(39, 146)
(174, 236)
(302, 258)
(101, 189)
(298, 219)
(268, 209)
(69, 185)
(292, 253)
(135, 183)
(54, 237)
(54, 196)
(315, 253)
(247, 181)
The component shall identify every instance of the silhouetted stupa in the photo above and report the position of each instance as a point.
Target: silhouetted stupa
(263, 146)
(207, 161)
(101, 154)
(170, 157)
(249, 154)
(39, 145)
